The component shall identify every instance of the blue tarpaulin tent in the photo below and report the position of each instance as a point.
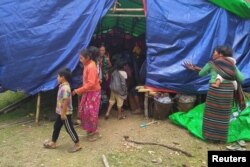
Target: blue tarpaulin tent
(181, 30)
(39, 37)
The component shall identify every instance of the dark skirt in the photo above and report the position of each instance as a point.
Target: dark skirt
(217, 112)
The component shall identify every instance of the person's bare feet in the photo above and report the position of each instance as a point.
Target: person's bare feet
(107, 115)
(122, 116)
(137, 111)
(95, 136)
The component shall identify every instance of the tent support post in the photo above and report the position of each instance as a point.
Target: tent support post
(146, 95)
(146, 104)
(38, 107)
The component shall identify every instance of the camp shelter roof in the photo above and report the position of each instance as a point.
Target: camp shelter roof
(37, 38)
(132, 22)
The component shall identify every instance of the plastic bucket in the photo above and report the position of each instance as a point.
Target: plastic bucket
(185, 106)
(162, 110)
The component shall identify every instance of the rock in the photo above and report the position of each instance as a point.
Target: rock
(151, 152)
(157, 161)
(154, 161)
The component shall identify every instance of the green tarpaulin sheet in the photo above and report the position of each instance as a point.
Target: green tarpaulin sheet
(238, 7)
(239, 129)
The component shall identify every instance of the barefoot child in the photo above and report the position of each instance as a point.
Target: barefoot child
(64, 112)
(118, 90)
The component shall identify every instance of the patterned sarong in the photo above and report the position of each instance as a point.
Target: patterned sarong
(89, 110)
(217, 112)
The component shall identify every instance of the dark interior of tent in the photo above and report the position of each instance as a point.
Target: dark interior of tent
(122, 30)
(122, 27)
(120, 34)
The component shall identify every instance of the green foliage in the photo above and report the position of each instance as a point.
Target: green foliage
(10, 97)
(25, 110)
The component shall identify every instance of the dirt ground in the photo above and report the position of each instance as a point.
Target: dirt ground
(21, 145)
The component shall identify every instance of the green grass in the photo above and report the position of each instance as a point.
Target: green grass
(142, 158)
(28, 109)
(7, 98)
(25, 110)
(10, 97)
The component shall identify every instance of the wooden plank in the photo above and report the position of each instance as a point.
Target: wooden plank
(146, 104)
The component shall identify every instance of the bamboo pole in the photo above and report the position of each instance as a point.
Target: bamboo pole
(124, 15)
(146, 95)
(127, 10)
(105, 161)
(38, 107)
(146, 104)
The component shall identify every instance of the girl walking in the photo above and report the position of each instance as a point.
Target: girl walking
(91, 93)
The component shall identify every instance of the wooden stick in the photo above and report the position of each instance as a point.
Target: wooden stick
(146, 124)
(12, 107)
(139, 87)
(15, 123)
(38, 107)
(105, 161)
(128, 10)
(146, 104)
(125, 15)
(149, 143)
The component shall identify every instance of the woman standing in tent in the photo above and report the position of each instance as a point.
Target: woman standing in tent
(219, 99)
(105, 65)
(91, 93)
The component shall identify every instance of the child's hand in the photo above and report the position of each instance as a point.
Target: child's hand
(63, 117)
(73, 93)
(188, 65)
(107, 77)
